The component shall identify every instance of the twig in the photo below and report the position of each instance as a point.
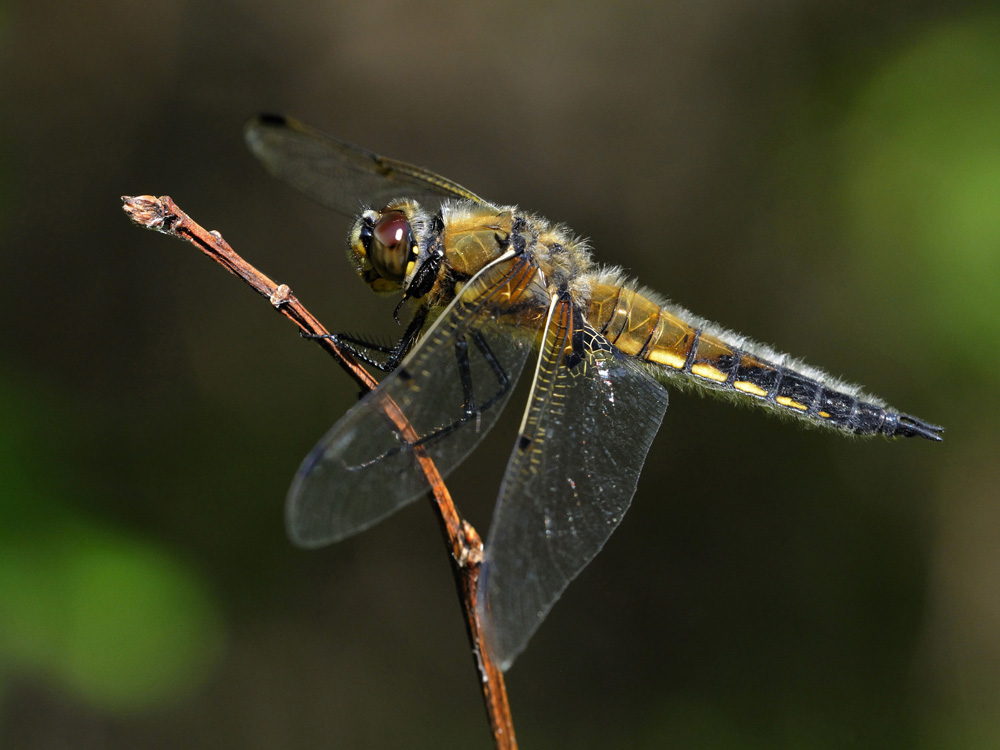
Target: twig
(461, 539)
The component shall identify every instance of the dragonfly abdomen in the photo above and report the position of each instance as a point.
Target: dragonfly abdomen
(642, 328)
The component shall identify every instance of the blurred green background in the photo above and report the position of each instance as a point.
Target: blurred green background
(823, 176)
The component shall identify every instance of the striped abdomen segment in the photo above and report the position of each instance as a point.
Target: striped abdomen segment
(641, 328)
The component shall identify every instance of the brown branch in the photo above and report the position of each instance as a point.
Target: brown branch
(463, 543)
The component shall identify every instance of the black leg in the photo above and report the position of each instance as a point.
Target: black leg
(362, 349)
(503, 379)
(470, 409)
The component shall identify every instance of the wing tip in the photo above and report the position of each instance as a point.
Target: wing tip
(270, 118)
(254, 128)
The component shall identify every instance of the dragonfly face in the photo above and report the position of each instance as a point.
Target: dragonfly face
(383, 249)
(492, 289)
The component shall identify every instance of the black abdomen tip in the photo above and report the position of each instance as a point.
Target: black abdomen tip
(903, 425)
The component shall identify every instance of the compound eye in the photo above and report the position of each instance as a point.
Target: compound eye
(392, 229)
(392, 243)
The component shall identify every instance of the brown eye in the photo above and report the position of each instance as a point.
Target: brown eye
(392, 241)
(392, 229)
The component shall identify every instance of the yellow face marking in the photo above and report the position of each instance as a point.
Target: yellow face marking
(747, 387)
(670, 359)
(381, 285)
(409, 267)
(786, 401)
(709, 373)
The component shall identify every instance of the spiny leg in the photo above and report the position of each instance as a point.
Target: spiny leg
(470, 410)
(360, 348)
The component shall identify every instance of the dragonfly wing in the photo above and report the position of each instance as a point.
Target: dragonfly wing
(571, 477)
(338, 174)
(364, 468)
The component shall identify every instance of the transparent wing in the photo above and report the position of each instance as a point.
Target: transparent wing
(451, 389)
(571, 477)
(337, 174)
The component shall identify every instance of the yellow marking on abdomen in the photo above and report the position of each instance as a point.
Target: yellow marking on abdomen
(709, 373)
(824, 414)
(639, 327)
(791, 403)
(747, 387)
(668, 358)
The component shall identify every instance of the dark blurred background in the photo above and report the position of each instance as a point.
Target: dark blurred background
(823, 176)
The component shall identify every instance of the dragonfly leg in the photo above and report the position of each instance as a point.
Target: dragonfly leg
(362, 349)
(503, 379)
(470, 409)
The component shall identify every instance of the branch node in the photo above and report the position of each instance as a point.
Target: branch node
(471, 546)
(281, 295)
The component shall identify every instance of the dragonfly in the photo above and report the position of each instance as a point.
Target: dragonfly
(490, 290)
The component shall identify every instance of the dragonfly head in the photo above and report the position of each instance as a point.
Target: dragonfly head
(383, 248)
